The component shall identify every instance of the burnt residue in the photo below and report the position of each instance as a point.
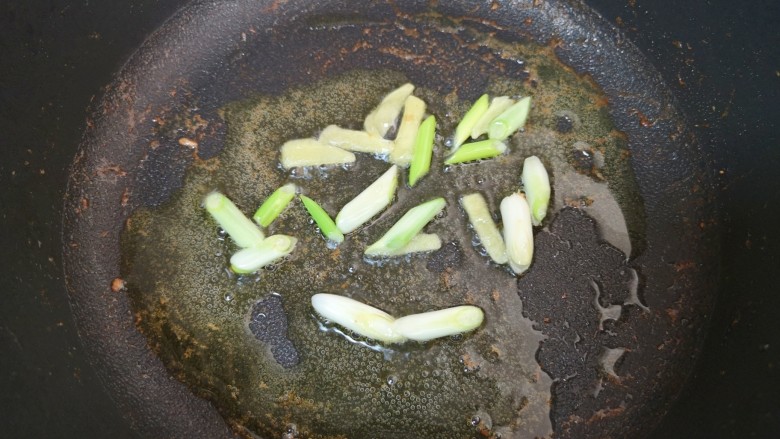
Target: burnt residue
(268, 323)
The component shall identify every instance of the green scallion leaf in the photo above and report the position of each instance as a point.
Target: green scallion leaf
(273, 206)
(497, 106)
(251, 259)
(536, 184)
(240, 228)
(368, 203)
(423, 150)
(479, 215)
(470, 119)
(483, 149)
(511, 120)
(326, 225)
(406, 228)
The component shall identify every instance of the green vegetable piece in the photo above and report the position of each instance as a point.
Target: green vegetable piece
(536, 184)
(240, 228)
(368, 203)
(270, 250)
(358, 141)
(497, 106)
(406, 228)
(518, 232)
(470, 119)
(310, 152)
(511, 120)
(414, 110)
(421, 243)
(441, 323)
(384, 115)
(423, 150)
(326, 225)
(273, 206)
(357, 317)
(483, 149)
(479, 215)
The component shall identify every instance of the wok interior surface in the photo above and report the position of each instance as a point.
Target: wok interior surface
(131, 159)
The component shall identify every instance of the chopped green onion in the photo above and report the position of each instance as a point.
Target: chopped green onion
(518, 233)
(357, 317)
(270, 250)
(352, 140)
(309, 152)
(497, 106)
(511, 120)
(384, 115)
(421, 243)
(441, 323)
(483, 149)
(240, 228)
(536, 184)
(470, 119)
(275, 204)
(480, 218)
(423, 149)
(406, 228)
(368, 203)
(414, 110)
(326, 225)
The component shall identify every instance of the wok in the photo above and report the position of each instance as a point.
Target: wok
(105, 174)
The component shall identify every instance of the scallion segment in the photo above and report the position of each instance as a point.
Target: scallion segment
(385, 114)
(518, 232)
(310, 152)
(273, 206)
(497, 106)
(536, 184)
(358, 141)
(470, 119)
(357, 317)
(442, 323)
(483, 149)
(423, 150)
(414, 110)
(511, 120)
(421, 243)
(240, 228)
(368, 203)
(251, 259)
(479, 216)
(406, 228)
(326, 225)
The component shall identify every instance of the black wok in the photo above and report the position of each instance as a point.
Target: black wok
(122, 355)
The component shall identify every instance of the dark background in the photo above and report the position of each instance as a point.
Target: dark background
(721, 57)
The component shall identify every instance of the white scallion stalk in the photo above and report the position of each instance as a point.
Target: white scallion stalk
(309, 152)
(470, 119)
(414, 110)
(368, 203)
(385, 114)
(406, 228)
(358, 141)
(479, 215)
(536, 184)
(421, 243)
(240, 228)
(441, 323)
(497, 106)
(518, 232)
(357, 317)
(511, 120)
(267, 252)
